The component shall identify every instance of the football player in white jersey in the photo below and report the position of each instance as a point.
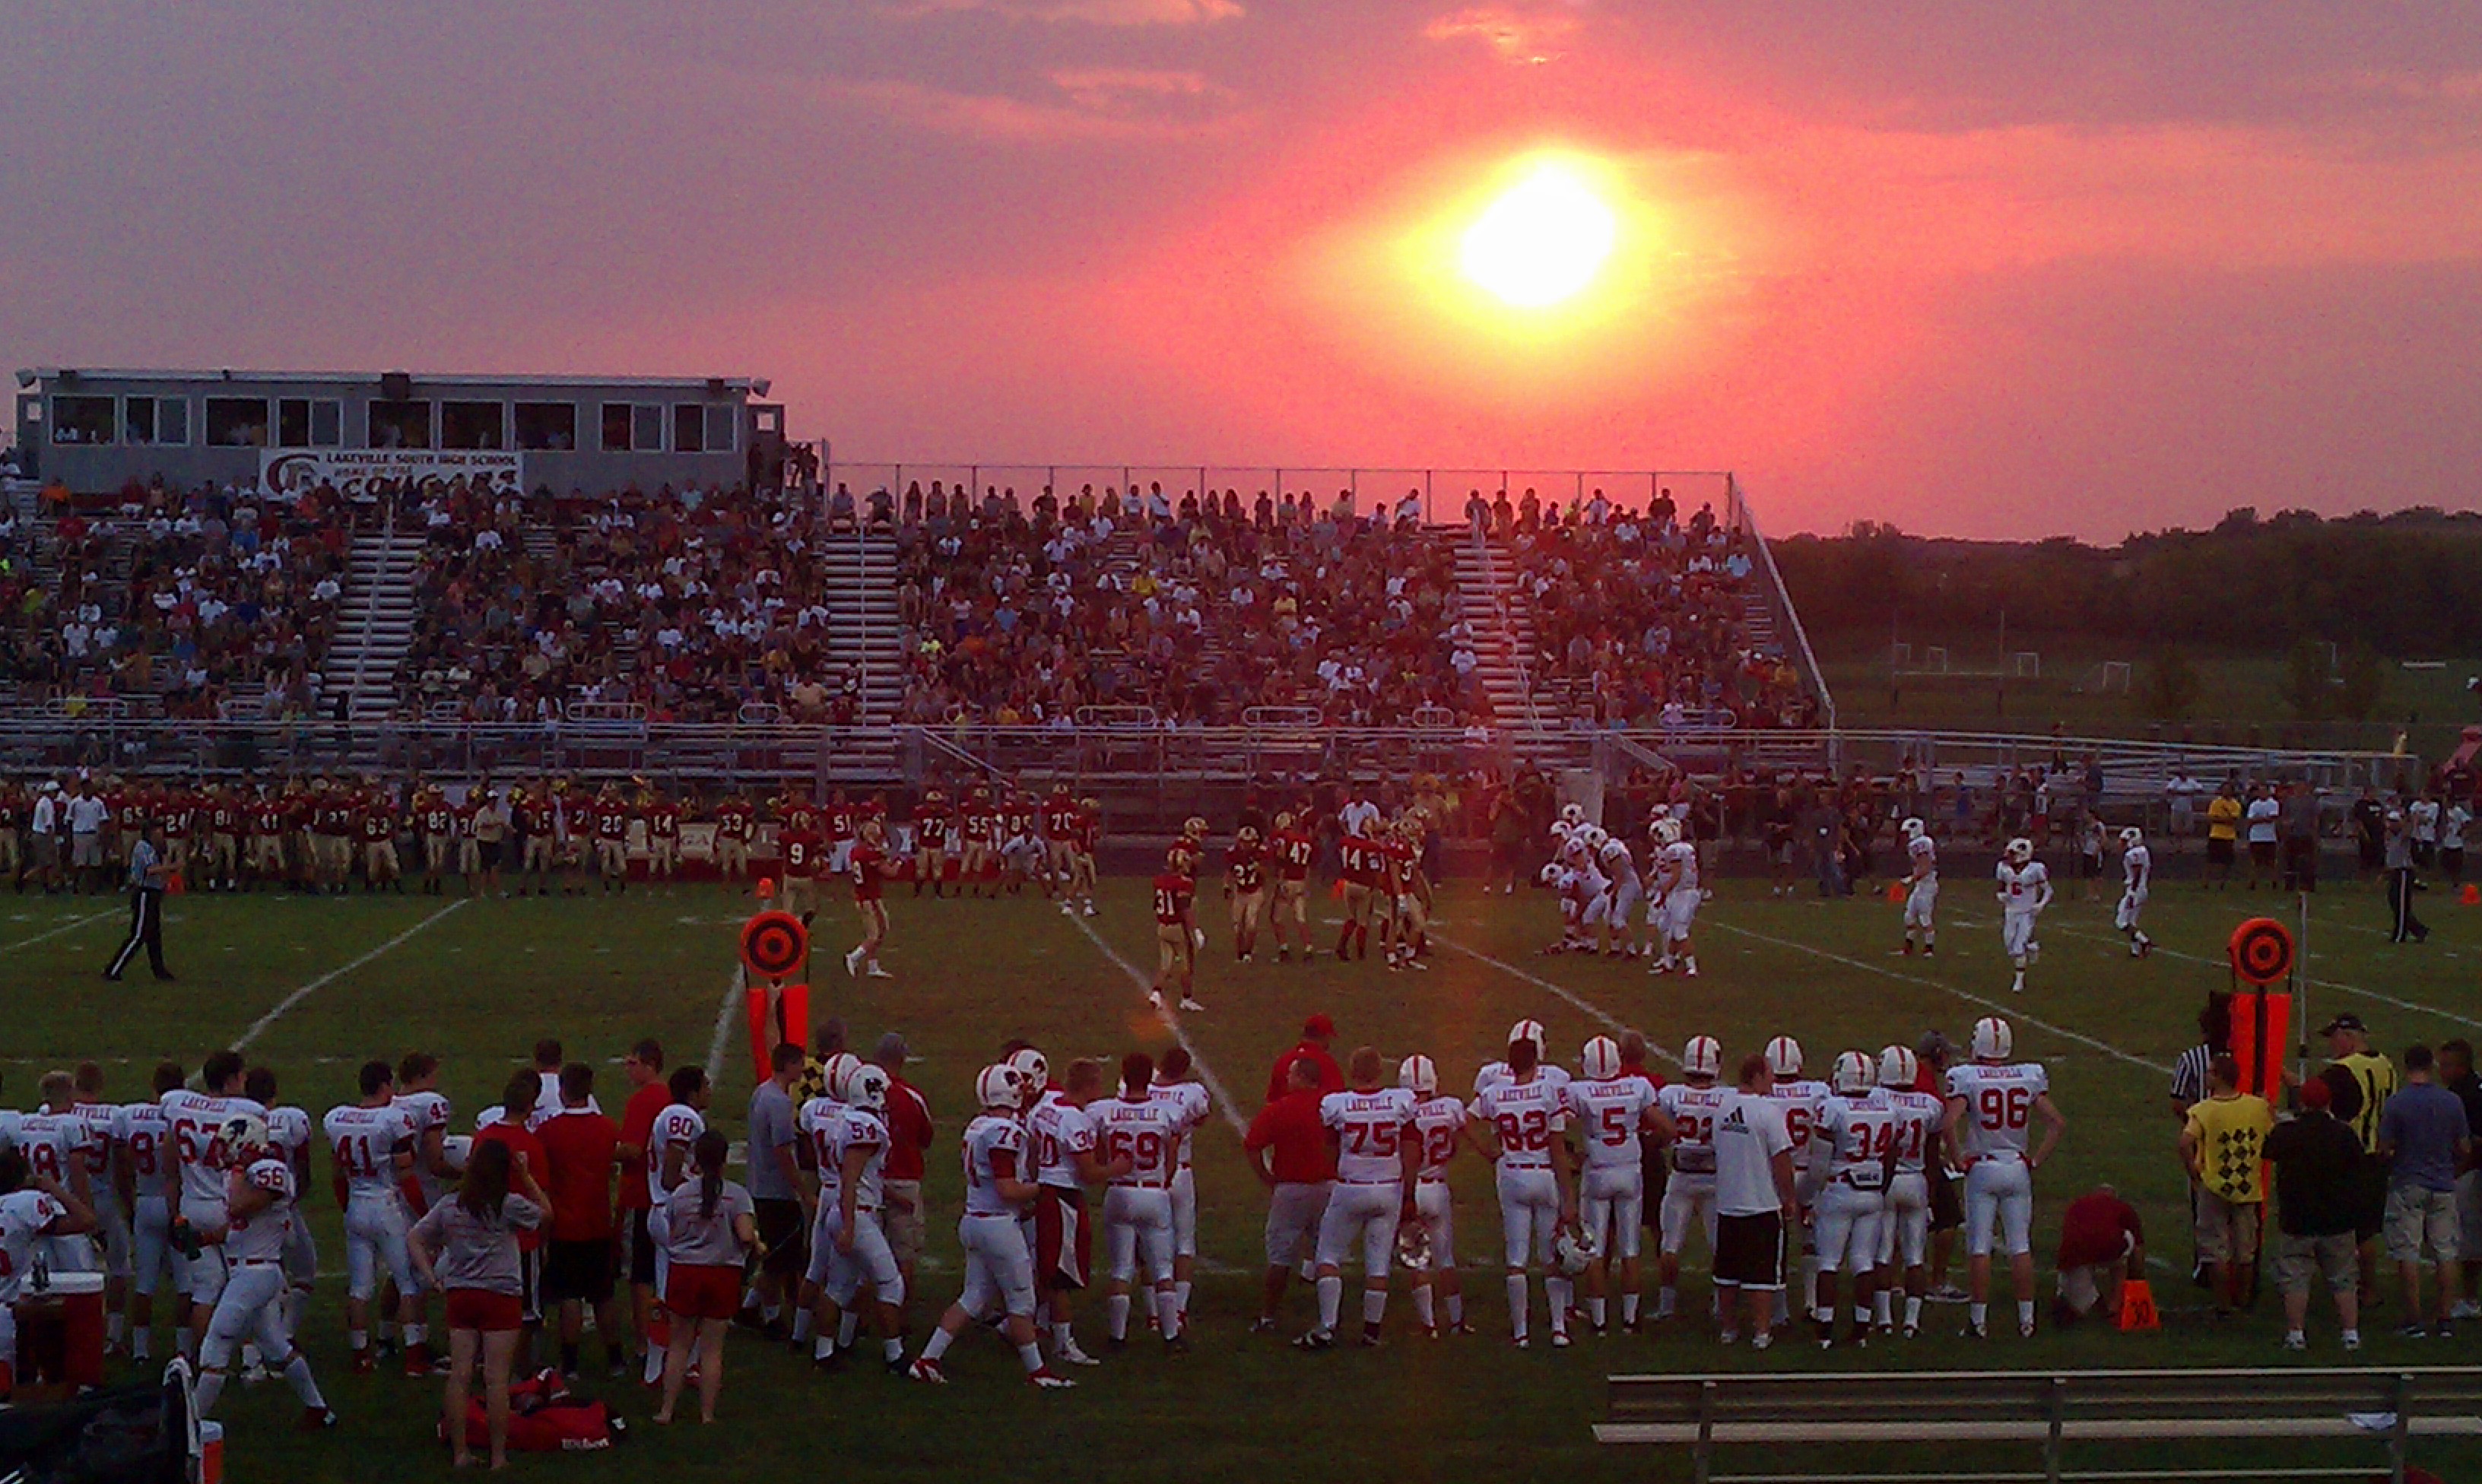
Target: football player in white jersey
(1621, 935)
(201, 1167)
(2136, 879)
(35, 1211)
(1377, 1155)
(1174, 1083)
(1675, 907)
(289, 1131)
(849, 1247)
(1438, 1127)
(2025, 890)
(1614, 1108)
(144, 1172)
(1531, 1031)
(1689, 1194)
(1797, 1100)
(372, 1144)
(258, 1211)
(417, 1092)
(102, 1121)
(1854, 1156)
(1992, 1103)
(1520, 1119)
(1904, 1227)
(60, 1146)
(1066, 1158)
(999, 1270)
(1568, 887)
(1147, 1131)
(1922, 890)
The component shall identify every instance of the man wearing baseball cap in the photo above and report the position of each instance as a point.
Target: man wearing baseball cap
(1316, 1032)
(2362, 1080)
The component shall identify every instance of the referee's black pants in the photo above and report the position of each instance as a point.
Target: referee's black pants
(2403, 925)
(146, 928)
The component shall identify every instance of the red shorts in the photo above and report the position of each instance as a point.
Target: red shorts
(1063, 1241)
(486, 1311)
(702, 1293)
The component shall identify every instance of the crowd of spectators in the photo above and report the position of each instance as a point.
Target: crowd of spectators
(199, 601)
(1198, 609)
(1638, 614)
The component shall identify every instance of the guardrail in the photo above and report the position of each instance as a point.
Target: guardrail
(1745, 520)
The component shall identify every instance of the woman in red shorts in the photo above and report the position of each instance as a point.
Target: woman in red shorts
(708, 1228)
(467, 1249)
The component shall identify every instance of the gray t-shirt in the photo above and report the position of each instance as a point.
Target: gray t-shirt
(2422, 1123)
(770, 1128)
(473, 1252)
(701, 1240)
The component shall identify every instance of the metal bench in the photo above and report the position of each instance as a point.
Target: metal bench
(2048, 1410)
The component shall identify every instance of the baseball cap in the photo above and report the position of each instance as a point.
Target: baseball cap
(2345, 1022)
(2315, 1093)
(1318, 1026)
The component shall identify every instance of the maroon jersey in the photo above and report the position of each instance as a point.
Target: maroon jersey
(664, 820)
(1294, 852)
(1360, 860)
(803, 858)
(733, 820)
(612, 821)
(379, 824)
(1172, 893)
(1248, 866)
(931, 826)
(869, 871)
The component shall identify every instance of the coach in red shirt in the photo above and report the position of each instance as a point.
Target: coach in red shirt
(1290, 1153)
(900, 1170)
(2102, 1243)
(582, 1146)
(644, 1069)
(1316, 1032)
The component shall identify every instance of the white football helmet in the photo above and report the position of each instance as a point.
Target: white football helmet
(1703, 1056)
(1783, 1056)
(1992, 1040)
(1420, 1074)
(1914, 829)
(1575, 1250)
(1898, 1067)
(1572, 813)
(1551, 874)
(1413, 1246)
(1000, 1087)
(1667, 830)
(865, 1088)
(1561, 829)
(2131, 837)
(1853, 1072)
(1033, 1073)
(1530, 1031)
(1600, 1060)
(833, 1072)
(2019, 850)
(245, 1139)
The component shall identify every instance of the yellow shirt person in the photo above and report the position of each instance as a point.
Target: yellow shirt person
(2223, 1139)
(2223, 818)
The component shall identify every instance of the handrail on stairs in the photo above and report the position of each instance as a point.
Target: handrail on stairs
(1507, 630)
(371, 607)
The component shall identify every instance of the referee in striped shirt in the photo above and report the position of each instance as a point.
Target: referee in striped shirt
(148, 876)
(2189, 1082)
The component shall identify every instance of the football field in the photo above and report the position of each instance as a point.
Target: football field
(314, 986)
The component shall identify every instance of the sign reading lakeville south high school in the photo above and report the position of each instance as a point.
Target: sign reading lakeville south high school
(365, 473)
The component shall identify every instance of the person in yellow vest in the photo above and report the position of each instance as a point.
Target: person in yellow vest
(2362, 1080)
(2223, 831)
(2220, 1144)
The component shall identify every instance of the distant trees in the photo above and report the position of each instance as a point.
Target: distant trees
(2170, 689)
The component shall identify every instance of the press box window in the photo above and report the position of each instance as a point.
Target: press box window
(722, 421)
(547, 426)
(632, 427)
(401, 425)
(473, 425)
(237, 422)
(85, 419)
(310, 422)
(689, 428)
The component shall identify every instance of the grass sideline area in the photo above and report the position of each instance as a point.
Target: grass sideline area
(313, 987)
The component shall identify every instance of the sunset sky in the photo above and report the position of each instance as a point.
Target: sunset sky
(2006, 269)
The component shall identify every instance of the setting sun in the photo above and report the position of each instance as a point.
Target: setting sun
(1542, 240)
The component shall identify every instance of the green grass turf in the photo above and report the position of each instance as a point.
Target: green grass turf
(478, 982)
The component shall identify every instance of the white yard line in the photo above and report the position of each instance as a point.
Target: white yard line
(1205, 1074)
(2414, 1005)
(2014, 1012)
(258, 1027)
(1589, 1007)
(723, 1021)
(70, 927)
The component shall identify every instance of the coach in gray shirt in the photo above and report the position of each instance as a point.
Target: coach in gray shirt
(2423, 1136)
(775, 1188)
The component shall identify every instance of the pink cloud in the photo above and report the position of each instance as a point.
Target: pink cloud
(1096, 13)
(1527, 36)
(1093, 104)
